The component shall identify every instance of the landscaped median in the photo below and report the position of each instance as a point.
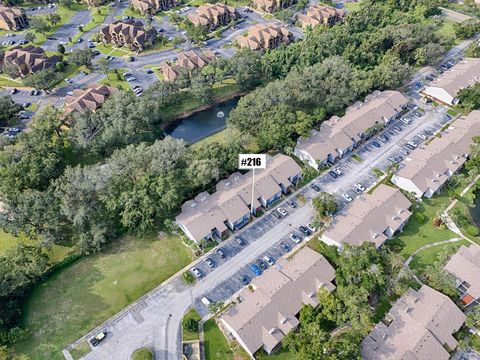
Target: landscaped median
(98, 17)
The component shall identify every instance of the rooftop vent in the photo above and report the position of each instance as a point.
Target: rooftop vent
(283, 321)
(271, 331)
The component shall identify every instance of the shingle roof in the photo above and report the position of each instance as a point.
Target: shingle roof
(422, 322)
(206, 14)
(462, 75)
(267, 314)
(369, 216)
(427, 165)
(133, 32)
(465, 266)
(320, 15)
(340, 133)
(259, 35)
(90, 98)
(187, 60)
(233, 196)
(28, 59)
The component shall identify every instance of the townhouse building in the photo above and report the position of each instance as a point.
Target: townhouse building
(420, 325)
(229, 208)
(264, 37)
(128, 33)
(340, 135)
(373, 217)
(464, 265)
(28, 59)
(446, 87)
(12, 19)
(90, 98)
(212, 16)
(272, 6)
(151, 7)
(320, 15)
(186, 62)
(268, 309)
(426, 169)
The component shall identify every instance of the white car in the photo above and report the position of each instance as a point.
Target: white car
(337, 171)
(406, 121)
(282, 211)
(310, 227)
(422, 136)
(347, 197)
(206, 302)
(269, 260)
(294, 238)
(196, 272)
(360, 187)
(413, 144)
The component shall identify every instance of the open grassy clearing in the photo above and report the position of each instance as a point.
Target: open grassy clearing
(216, 346)
(428, 256)
(82, 295)
(116, 79)
(446, 29)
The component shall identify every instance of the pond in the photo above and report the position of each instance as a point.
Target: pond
(203, 123)
(475, 211)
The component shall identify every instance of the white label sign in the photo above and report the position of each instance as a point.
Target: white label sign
(252, 161)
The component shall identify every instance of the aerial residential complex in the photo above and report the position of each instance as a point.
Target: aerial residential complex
(151, 7)
(265, 36)
(28, 59)
(128, 33)
(212, 16)
(273, 5)
(229, 208)
(462, 75)
(373, 217)
(90, 98)
(420, 325)
(427, 168)
(12, 19)
(320, 15)
(339, 136)
(464, 265)
(267, 310)
(186, 62)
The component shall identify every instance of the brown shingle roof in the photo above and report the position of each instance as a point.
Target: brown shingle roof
(28, 59)
(187, 60)
(261, 35)
(465, 266)
(90, 98)
(128, 32)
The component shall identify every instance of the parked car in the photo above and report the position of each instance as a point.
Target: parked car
(14, 91)
(282, 211)
(68, 81)
(422, 136)
(315, 187)
(196, 272)
(150, 71)
(206, 302)
(418, 114)
(398, 128)
(240, 241)
(292, 204)
(376, 144)
(26, 105)
(276, 215)
(360, 187)
(263, 265)
(333, 174)
(408, 146)
(14, 130)
(220, 253)
(406, 121)
(285, 247)
(347, 197)
(98, 338)
(245, 280)
(310, 227)
(338, 171)
(412, 143)
(269, 260)
(209, 263)
(294, 238)
(304, 230)
(256, 269)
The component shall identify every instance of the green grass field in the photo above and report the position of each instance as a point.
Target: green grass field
(113, 80)
(83, 295)
(446, 29)
(415, 234)
(216, 346)
(429, 256)
(188, 335)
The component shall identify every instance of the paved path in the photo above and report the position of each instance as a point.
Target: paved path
(455, 15)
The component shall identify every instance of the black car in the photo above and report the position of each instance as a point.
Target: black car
(315, 187)
(220, 253)
(98, 338)
(262, 264)
(292, 204)
(245, 280)
(305, 230)
(332, 174)
(285, 247)
(240, 241)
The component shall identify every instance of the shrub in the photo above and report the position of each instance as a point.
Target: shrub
(190, 325)
(472, 230)
(419, 217)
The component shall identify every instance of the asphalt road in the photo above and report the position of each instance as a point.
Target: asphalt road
(69, 29)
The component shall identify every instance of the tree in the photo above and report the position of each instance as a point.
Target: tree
(61, 49)
(39, 24)
(470, 97)
(246, 68)
(8, 111)
(53, 18)
(30, 37)
(191, 325)
(81, 57)
(10, 69)
(66, 3)
(104, 65)
(325, 204)
(43, 79)
(200, 88)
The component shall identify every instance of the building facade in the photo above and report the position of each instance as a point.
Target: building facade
(128, 33)
(186, 62)
(12, 19)
(28, 59)
(320, 15)
(212, 16)
(151, 7)
(265, 37)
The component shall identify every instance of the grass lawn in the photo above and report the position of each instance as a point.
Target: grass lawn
(98, 17)
(416, 234)
(446, 29)
(188, 335)
(281, 354)
(81, 296)
(216, 346)
(111, 50)
(430, 255)
(8, 241)
(81, 350)
(114, 81)
(5, 81)
(352, 6)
